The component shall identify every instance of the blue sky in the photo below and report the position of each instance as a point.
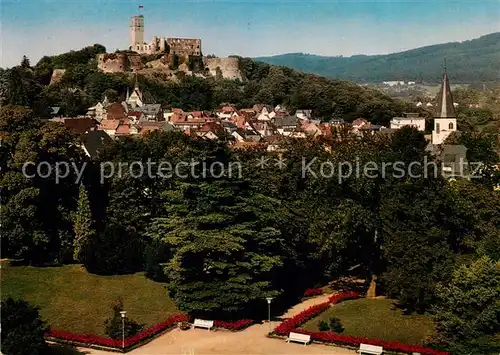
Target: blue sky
(244, 27)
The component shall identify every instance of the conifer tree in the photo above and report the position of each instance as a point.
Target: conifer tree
(228, 250)
(83, 226)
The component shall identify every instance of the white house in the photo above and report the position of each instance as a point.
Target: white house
(445, 119)
(266, 114)
(409, 119)
(227, 112)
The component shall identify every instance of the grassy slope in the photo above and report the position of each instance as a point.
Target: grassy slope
(74, 300)
(377, 319)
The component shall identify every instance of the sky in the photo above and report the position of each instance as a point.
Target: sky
(244, 27)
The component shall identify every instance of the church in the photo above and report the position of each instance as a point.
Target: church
(445, 118)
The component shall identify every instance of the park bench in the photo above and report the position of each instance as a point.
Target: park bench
(201, 323)
(370, 349)
(299, 338)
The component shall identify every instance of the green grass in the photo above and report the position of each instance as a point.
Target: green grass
(377, 319)
(72, 299)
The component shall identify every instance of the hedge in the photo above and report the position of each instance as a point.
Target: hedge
(93, 340)
(292, 324)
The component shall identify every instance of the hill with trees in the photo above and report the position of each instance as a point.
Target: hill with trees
(476, 60)
(83, 85)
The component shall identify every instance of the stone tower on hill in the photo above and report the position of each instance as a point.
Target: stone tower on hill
(445, 118)
(136, 31)
(183, 47)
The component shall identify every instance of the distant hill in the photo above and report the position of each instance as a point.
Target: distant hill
(476, 60)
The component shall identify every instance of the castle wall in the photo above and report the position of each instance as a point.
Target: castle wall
(229, 67)
(134, 61)
(118, 62)
(185, 46)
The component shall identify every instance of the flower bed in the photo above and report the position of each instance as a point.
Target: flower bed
(291, 325)
(96, 341)
(234, 326)
(313, 292)
(330, 337)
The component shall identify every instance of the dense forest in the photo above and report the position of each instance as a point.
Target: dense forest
(83, 85)
(476, 60)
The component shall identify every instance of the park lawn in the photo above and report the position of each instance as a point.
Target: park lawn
(376, 319)
(72, 299)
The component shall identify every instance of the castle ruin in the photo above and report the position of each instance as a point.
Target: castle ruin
(183, 54)
(183, 47)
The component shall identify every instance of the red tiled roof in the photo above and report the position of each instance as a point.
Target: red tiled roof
(109, 124)
(123, 129)
(115, 111)
(147, 129)
(79, 125)
(197, 114)
(228, 109)
(360, 122)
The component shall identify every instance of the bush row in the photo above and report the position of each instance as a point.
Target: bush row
(291, 325)
(313, 292)
(234, 326)
(331, 337)
(92, 339)
(95, 340)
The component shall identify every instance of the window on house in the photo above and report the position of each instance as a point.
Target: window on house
(450, 126)
(437, 128)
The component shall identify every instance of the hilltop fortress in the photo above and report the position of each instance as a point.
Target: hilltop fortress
(183, 54)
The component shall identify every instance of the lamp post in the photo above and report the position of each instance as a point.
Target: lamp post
(269, 299)
(123, 313)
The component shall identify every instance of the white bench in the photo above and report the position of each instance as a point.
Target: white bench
(203, 323)
(370, 349)
(299, 338)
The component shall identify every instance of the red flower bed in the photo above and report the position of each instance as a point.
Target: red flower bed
(296, 321)
(313, 292)
(91, 339)
(331, 337)
(291, 325)
(238, 325)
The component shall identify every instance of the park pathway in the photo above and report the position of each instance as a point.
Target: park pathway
(251, 341)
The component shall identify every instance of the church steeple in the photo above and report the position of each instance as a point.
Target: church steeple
(444, 106)
(445, 118)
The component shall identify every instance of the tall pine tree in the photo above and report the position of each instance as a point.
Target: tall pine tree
(83, 226)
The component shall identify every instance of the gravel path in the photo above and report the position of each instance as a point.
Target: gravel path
(251, 341)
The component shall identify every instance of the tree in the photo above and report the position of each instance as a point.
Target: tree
(467, 314)
(25, 62)
(36, 223)
(227, 247)
(22, 328)
(115, 329)
(111, 94)
(415, 244)
(83, 226)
